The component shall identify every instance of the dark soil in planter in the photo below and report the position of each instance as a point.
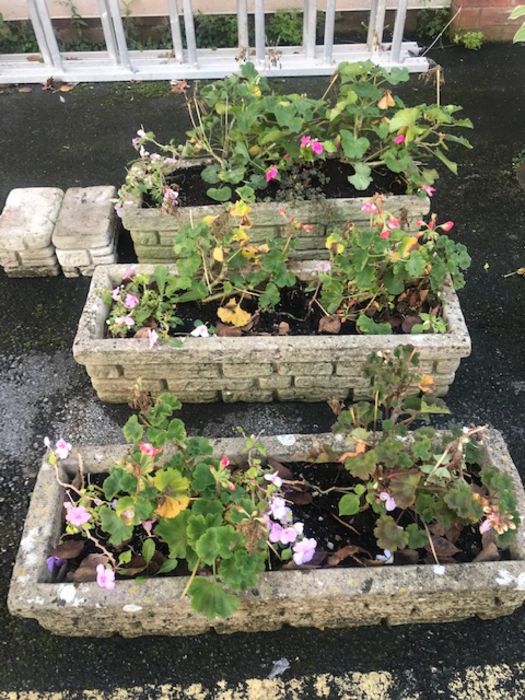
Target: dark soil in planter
(300, 311)
(341, 541)
(332, 183)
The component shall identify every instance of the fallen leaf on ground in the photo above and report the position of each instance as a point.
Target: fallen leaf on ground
(281, 470)
(284, 328)
(224, 331)
(233, 314)
(66, 87)
(87, 571)
(69, 549)
(336, 406)
(178, 86)
(337, 557)
(25, 89)
(488, 553)
(330, 324)
(35, 57)
(279, 667)
(409, 322)
(443, 547)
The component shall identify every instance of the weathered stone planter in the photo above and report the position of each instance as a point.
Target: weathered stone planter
(319, 598)
(256, 368)
(153, 231)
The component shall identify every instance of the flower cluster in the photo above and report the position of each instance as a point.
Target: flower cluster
(283, 531)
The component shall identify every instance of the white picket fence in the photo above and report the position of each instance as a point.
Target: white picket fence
(120, 63)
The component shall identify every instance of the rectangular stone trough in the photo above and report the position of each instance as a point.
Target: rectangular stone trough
(254, 368)
(300, 598)
(153, 231)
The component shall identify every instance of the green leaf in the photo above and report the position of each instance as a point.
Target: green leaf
(246, 193)
(119, 481)
(211, 174)
(415, 264)
(125, 557)
(389, 535)
(219, 194)
(217, 542)
(210, 599)
(460, 500)
(362, 466)
(362, 178)
(198, 447)
(349, 504)
(519, 36)
(403, 489)
(368, 326)
(403, 119)
(397, 75)
(242, 571)
(114, 526)
(170, 481)
(397, 161)
(161, 275)
(270, 297)
(148, 550)
(417, 537)
(133, 430)
(353, 148)
(198, 524)
(176, 432)
(517, 12)
(168, 565)
(202, 478)
(446, 161)
(172, 531)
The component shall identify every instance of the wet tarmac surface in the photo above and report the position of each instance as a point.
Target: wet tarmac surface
(86, 141)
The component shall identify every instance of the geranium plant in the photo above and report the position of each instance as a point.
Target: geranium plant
(168, 505)
(247, 136)
(378, 279)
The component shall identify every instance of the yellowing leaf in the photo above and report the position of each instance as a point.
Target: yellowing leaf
(386, 101)
(233, 314)
(241, 236)
(170, 507)
(209, 219)
(426, 383)
(254, 90)
(240, 209)
(249, 251)
(254, 150)
(332, 243)
(409, 244)
(218, 254)
(264, 248)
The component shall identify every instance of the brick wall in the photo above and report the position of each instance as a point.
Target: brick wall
(488, 16)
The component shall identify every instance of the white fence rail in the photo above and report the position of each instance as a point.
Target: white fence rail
(189, 62)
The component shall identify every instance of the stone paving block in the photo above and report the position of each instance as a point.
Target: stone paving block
(87, 218)
(29, 217)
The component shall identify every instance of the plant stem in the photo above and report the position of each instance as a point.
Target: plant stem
(193, 574)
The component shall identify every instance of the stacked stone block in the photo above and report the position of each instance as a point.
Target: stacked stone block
(85, 232)
(26, 230)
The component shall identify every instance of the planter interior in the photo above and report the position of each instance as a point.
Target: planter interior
(254, 368)
(300, 598)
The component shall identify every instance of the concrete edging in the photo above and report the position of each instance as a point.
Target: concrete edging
(257, 368)
(300, 598)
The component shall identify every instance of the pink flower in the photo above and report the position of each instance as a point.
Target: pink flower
(147, 449)
(105, 577)
(279, 510)
(62, 448)
(385, 234)
(370, 207)
(225, 462)
(388, 500)
(447, 226)
(399, 139)
(308, 228)
(316, 147)
(76, 515)
(200, 332)
(124, 321)
(428, 189)
(393, 223)
(153, 336)
(148, 525)
(275, 532)
(485, 526)
(304, 551)
(132, 300)
(272, 173)
(305, 140)
(275, 479)
(288, 535)
(115, 294)
(129, 274)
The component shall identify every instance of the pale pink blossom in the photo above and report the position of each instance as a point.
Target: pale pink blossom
(62, 448)
(200, 332)
(129, 273)
(279, 510)
(105, 577)
(388, 500)
(304, 551)
(370, 207)
(428, 189)
(305, 140)
(275, 479)
(485, 526)
(148, 525)
(115, 294)
(124, 321)
(399, 139)
(132, 300)
(447, 226)
(272, 173)
(385, 234)
(76, 515)
(393, 223)
(224, 462)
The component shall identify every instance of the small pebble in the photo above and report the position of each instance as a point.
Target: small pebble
(330, 545)
(320, 518)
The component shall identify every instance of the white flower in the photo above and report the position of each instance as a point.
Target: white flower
(438, 569)
(47, 442)
(200, 332)
(387, 557)
(153, 336)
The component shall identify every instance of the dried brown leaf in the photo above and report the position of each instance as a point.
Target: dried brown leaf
(488, 553)
(25, 89)
(224, 331)
(87, 571)
(284, 328)
(335, 406)
(443, 547)
(66, 87)
(35, 57)
(281, 469)
(330, 324)
(69, 549)
(341, 554)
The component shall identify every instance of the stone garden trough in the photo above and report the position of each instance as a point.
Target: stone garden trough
(252, 368)
(300, 598)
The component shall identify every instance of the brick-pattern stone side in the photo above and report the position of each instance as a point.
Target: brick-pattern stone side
(488, 16)
(153, 232)
(321, 598)
(256, 368)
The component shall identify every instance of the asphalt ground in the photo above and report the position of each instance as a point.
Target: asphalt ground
(84, 139)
